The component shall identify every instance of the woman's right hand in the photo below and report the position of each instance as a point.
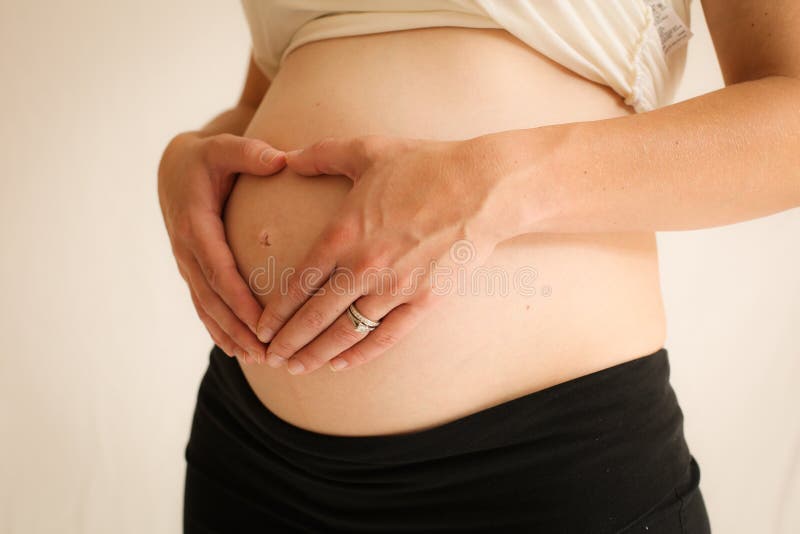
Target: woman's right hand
(195, 177)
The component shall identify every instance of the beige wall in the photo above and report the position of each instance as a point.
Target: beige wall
(101, 351)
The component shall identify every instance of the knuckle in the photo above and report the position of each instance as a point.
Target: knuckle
(360, 266)
(213, 146)
(195, 222)
(370, 262)
(273, 318)
(236, 329)
(384, 340)
(211, 275)
(339, 234)
(282, 347)
(309, 358)
(227, 286)
(374, 258)
(250, 149)
(184, 228)
(357, 355)
(369, 145)
(345, 335)
(323, 144)
(203, 297)
(365, 143)
(224, 280)
(313, 319)
(296, 290)
(308, 279)
(243, 342)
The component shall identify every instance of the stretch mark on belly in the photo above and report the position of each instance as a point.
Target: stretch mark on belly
(263, 239)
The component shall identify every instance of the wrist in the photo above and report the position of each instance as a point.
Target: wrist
(517, 169)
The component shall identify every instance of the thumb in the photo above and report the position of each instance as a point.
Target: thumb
(230, 154)
(346, 157)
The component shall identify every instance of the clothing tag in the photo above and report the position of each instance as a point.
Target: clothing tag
(671, 29)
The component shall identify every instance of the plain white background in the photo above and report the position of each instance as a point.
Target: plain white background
(101, 350)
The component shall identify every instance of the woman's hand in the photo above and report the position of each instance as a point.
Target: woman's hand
(195, 177)
(416, 207)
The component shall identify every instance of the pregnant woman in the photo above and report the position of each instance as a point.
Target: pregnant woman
(424, 245)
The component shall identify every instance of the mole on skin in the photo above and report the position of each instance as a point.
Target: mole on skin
(263, 239)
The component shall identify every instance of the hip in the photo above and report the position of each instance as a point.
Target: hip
(601, 453)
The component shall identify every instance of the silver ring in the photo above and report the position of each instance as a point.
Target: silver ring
(361, 323)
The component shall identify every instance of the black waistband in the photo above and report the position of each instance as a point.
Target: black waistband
(609, 443)
(634, 396)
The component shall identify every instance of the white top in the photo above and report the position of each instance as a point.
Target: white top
(636, 47)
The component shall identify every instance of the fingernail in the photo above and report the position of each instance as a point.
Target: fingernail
(275, 361)
(338, 364)
(269, 155)
(295, 366)
(265, 334)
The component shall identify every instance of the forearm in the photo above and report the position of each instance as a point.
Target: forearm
(720, 158)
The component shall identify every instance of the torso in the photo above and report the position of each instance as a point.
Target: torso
(596, 300)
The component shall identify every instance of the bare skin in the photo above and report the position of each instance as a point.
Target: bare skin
(589, 236)
(596, 300)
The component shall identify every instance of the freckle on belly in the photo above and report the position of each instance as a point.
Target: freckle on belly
(263, 239)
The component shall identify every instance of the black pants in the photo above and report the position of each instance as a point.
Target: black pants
(603, 453)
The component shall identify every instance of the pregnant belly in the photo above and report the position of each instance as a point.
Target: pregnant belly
(551, 307)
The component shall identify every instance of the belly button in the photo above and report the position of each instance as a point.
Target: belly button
(263, 239)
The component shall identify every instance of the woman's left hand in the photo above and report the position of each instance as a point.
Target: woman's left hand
(412, 205)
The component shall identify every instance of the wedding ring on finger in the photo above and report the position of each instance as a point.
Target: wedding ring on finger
(360, 322)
